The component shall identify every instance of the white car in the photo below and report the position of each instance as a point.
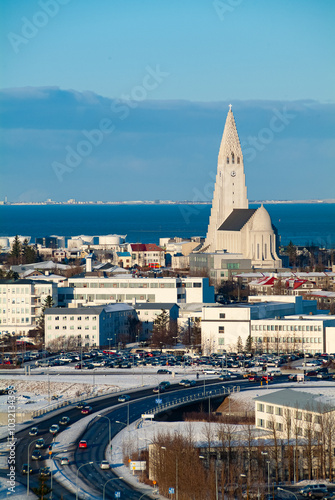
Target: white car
(64, 461)
(54, 429)
(105, 465)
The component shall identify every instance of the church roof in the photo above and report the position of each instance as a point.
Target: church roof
(237, 219)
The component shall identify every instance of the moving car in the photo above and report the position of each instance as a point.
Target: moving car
(36, 455)
(82, 444)
(33, 431)
(24, 469)
(86, 410)
(163, 371)
(159, 389)
(40, 443)
(105, 465)
(123, 398)
(80, 405)
(54, 429)
(64, 461)
(64, 420)
(45, 471)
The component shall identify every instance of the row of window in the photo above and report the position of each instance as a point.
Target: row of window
(72, 327)
(287, 328)
(299, 415)
(14, 320)
(287, 340)
(71, 318)
(138, 283)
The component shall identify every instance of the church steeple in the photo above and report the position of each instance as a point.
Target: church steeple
(230, 191)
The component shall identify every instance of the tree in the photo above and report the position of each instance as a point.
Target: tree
(42, 490)
(15, 255)
(28, 253)
(239, 345)
(291, 251)
(249, 344)
(48, 303)
(164, 330)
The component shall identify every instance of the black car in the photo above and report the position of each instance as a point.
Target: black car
(36, 455)
(24, 469)
(45, 471)
(64, 420)
(81, 404)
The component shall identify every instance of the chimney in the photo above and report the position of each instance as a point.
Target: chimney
(89, 263)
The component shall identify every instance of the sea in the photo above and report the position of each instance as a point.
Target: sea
(303, 224)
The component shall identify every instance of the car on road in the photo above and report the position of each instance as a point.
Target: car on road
(45, 471)
(33, 431)
(40, 443)
(64, 461)
(159, 389)
(123, 398)
(164, 384)
(36, 455)
(255, 378)
(105, 465)
(164, 372)
(64, 420)
(82, 444)
(314, 491)
(80, 405)
(86, 410)
(54, 429)
(25, 468)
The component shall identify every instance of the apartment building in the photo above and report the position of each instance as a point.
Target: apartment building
(95, 326)
(21, 304)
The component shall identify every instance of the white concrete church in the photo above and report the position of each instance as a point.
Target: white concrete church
(233, 226)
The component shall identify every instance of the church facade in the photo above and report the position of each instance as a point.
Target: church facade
(233, 226)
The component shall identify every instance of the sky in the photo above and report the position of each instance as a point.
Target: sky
(127, 100)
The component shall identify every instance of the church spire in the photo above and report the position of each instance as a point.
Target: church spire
(230, 142)
(230, 191)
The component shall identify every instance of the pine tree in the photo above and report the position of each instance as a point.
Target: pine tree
(239, 345)
(15, 256)
(248, 344)
(48, 303)
(28, 253)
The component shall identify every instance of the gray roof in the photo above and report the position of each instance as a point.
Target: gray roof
(88, 310)
(154, 305)
(237, 219)
(299, 400)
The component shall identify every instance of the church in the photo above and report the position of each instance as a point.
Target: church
(234, 228)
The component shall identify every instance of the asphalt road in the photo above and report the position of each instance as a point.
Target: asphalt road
(97, 434)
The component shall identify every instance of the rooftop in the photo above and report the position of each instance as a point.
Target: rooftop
(299, 400)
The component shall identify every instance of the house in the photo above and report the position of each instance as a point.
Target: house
(147, 255)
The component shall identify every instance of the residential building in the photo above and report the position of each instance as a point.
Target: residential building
(21, 304)
(219, 266)
(95, 326)
(147, 313)
(147, 255)
(93, 290)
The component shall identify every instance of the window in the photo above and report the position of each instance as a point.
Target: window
(279, 411)
(221, 329)
(222, 315)
(279, 426)
(269, 409)
(318, 419)
(308, 417)
(298, 415)
(196, 285)
(260, 407)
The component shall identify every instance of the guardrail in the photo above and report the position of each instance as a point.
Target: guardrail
(222, 391)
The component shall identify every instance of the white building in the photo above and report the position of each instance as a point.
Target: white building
(285, 324)
(147, 313)
(21, 304)
(299, 414)
(95, 326)
(233, 226)
(93, 290)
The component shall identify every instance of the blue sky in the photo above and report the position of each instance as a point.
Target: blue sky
(65, 64)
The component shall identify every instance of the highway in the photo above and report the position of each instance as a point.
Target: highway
(97, 434)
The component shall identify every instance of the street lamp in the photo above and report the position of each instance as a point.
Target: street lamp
(29, 445)
(268, 462)
(109, 480)
(63, 451)
(288, 491)
(109, 426)
(87, 463)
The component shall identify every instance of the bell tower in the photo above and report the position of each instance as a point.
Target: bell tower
(230, 190)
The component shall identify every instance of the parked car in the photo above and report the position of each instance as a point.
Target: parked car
(163, 371)
(82, 444)
(33, 431)
(64, 420)
(123, 398)
(24, 469)
(54, 429)
(36, 455)
(314, 491)
(105, 465)
(40, 443)
(86, 410)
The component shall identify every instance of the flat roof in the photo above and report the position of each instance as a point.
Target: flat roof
(299, 400)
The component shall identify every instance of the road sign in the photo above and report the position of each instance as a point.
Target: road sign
(118, 494)
(171, 491)
(158, 401)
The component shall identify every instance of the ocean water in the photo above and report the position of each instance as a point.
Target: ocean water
(301, 223)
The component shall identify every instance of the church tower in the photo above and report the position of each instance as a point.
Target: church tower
(230, 190)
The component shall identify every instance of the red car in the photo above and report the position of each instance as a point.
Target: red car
(82, 444)
(267, 378)
(86, 410)
(254, 378)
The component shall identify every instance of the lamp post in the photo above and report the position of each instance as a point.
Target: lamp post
(109, 426)
(63, 451)
(268, 462)
(87, 463)
(28, 475)
(265, 453)
(287, 491)
(109, 480)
